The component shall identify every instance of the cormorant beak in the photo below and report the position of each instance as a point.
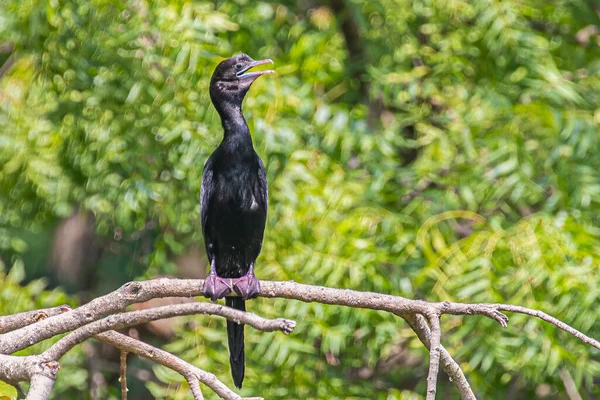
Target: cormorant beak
(244, 74)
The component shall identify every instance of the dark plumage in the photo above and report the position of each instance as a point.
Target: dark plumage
(233, 201)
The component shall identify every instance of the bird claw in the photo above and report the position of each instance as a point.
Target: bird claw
(248, 286)
(216, 287)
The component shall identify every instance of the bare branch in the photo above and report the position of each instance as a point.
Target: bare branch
(569, 383)
(195, 388)
(22, 368)
(130, 293)
(123, 375)
(136, 292)
(127, 319)
(30, 368)
(419, 325)
(434, 355)
(41, 386)
(126, 343)
(373, 301)
(86, 321)
(11, 322)
(489, 310)
(550, 319)
(400, 305)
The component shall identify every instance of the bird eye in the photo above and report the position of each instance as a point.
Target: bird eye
(238, 66)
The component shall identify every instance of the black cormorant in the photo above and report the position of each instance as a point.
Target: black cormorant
(233, 201)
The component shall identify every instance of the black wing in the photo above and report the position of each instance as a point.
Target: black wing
(206, 193)
(264, 186)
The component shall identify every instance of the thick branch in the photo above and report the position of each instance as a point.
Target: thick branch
(41, 386)
(14, 369)
(17, 369)
(136, 292)
(130, 293)
(131, 318)
(22, 368)
(373, 301)
(11, 322)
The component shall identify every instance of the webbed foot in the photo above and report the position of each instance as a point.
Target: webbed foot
(248, 286)
(216, 287)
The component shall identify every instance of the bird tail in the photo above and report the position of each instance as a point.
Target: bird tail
(235, 336)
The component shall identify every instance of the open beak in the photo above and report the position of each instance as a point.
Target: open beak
(244, 74)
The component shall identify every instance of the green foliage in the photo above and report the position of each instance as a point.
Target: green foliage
(447, 151)
(7, 392)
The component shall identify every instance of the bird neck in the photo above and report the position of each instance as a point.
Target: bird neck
(235, 128)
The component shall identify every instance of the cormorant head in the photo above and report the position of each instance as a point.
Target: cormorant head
(232, 79)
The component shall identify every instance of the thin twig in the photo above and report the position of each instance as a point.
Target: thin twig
(123, 375)
(434, 355)
(131, 345)
(550, 319)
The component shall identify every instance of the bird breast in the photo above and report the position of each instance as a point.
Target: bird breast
(238, 191)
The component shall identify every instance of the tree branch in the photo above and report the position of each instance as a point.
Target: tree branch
(195, 388)
(11, 322)
(570, 386)
(120, 321)
(41, 386)
(123, 374)
(550, 319)
(87, 320)
(187, 370)
(434, 355)
(23, 368)
(374, 301)
(419, 325)
(137, 292)
(130, 293)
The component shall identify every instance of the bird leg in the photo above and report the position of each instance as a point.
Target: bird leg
(248, 286)
(215, 287)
